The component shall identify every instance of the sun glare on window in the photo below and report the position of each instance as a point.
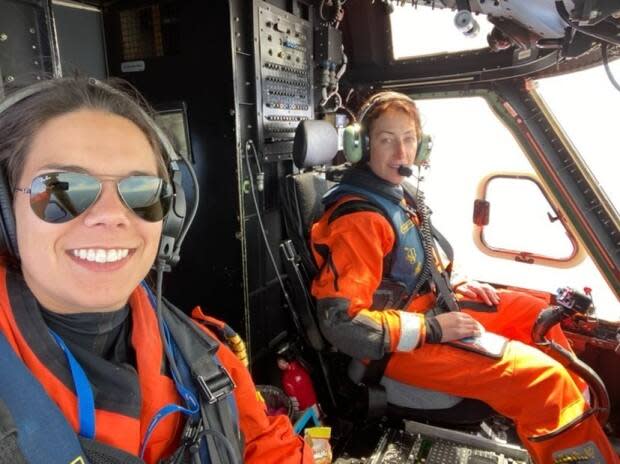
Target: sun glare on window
(422, 30)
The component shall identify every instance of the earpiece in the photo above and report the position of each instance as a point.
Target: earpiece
(8, 240)
(174, 227)
(352, 143)
(356, 141)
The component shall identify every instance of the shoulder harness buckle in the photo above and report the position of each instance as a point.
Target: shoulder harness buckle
(217, 386)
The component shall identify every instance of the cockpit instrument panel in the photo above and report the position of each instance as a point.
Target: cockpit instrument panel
(283, 50)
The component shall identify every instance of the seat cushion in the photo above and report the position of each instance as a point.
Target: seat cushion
(409, 396)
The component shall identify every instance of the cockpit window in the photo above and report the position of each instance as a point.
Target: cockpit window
(469, 144)
(422, 30)
(587, 105)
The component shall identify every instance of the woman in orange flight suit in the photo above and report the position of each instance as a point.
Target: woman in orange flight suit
(87, 181)
(359, 251)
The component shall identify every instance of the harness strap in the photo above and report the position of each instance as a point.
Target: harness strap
(353, 206)
(359, 205)
(215, 385)
(83, 390)
(43, 434)
(443, 244)
(441, 280)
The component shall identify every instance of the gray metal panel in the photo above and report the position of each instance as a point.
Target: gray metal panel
(27, 53)
(80, 40)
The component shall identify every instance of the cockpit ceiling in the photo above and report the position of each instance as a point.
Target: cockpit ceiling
(541, 17)
(538, 16)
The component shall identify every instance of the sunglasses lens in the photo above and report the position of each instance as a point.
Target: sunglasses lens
(147, 196)
(61, 196)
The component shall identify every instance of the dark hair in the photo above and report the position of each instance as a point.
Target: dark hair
(20, 122)
(381, 102)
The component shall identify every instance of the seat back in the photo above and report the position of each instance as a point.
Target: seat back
(302, 203)
(316, 144)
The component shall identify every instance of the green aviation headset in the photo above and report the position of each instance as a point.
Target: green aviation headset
(356, 141)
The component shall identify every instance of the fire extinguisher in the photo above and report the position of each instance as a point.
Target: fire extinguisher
(297, 384)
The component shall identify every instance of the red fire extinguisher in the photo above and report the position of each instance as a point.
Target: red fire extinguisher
(297, 384)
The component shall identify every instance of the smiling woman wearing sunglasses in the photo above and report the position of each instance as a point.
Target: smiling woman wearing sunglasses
(89, 175)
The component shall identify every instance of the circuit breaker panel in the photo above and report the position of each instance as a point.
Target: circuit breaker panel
(283, 51)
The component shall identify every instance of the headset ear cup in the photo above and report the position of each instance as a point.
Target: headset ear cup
(365, 147)
(173, 223)
(352, 143)
(8, 236)
(424, 149)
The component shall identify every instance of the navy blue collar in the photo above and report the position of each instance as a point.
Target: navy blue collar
(363, 177)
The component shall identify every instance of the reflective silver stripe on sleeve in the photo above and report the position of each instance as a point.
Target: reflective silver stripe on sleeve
(409, 331)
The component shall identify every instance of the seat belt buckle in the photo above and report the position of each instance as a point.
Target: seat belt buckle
(217, 386)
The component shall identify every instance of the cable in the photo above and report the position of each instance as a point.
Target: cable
(192, 214)
(321, 10)
(338, 8)
(348, 97)
(561, 9)
(427, 240)
(335, 93)
(343, 67)
(220, 436)
(250, 144)
(215, 434)
(160, 268)
(613, 80)
(349, 113)
(550, 317)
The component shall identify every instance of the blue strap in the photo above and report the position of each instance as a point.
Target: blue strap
(308, 415)
(157, 418)
(191, 403)
(43, 433)
(185, 387)
(83, 390)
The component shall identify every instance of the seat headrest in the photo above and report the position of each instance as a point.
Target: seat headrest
(316, 143)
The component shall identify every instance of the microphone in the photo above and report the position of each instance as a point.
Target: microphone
(405, 171)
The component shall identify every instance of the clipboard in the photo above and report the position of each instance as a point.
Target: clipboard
(486, 344)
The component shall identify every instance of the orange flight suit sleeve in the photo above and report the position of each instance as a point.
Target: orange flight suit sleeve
(268, 439)
(349, 252)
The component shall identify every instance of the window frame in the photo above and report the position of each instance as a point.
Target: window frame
(577, 255)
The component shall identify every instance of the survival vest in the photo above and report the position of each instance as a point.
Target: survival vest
(41, 384)
(405, 262)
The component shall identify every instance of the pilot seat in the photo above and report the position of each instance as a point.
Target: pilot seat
(315, 146)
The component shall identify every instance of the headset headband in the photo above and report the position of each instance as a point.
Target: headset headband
(356, 140)
(379, 98)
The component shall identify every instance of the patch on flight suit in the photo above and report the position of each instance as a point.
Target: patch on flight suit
(411, 255)
(406, 226)
(588, 453)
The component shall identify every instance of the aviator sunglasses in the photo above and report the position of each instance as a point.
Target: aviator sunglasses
(58, 197)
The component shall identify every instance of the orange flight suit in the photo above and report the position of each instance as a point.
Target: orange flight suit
(525, 385)
(266, 439)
